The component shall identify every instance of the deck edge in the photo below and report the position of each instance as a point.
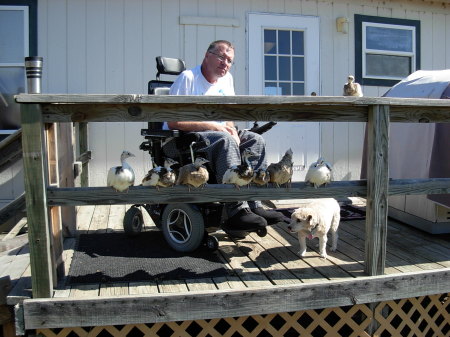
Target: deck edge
(101, 311)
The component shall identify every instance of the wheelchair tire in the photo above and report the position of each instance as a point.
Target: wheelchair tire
(133, 221)
(183, 227)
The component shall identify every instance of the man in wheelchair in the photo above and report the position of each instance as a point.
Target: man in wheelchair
(224, 142)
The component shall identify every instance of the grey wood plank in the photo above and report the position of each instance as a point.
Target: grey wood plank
(284, 252)
(201, 284)
(353, 235)
(341, 260)
(377, 189)
(113, 289)
(36, 200)
(325, 267)
(13, 208)
(84, 218)
(243, 267)
(85, 291)
(15, 230)
(83, 130)
(404, 251)
(144, 287)
(10, 150)
(228, 282)
(172, 286)
(283, 108)
(220, 192)
(99, 221)
(276, 272)
(52, 313)
(115, 218)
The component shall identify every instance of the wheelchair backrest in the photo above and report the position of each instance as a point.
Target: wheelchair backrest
(165, 66)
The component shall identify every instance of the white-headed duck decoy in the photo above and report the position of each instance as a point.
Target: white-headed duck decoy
(121, 177)
(240, 175)
(319, 173)
(351, 88)
(161, 176)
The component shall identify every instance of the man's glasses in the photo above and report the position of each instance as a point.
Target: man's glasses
(222, 58)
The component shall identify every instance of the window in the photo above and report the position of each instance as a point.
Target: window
(386, 50)
(16, 43)
(284, 62)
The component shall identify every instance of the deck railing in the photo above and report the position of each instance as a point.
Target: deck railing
(39, 109)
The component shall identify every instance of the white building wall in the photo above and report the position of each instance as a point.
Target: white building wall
(109, 46)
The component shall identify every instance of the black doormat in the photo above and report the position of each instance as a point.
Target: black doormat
(116, 257)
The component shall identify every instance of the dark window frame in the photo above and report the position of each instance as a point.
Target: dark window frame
(359, 19)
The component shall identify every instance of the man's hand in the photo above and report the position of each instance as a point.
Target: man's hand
(205, 126)
(233, 132)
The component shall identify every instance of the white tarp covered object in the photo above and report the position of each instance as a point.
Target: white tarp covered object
(421, 150)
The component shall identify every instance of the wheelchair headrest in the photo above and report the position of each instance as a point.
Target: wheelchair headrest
(169, 66)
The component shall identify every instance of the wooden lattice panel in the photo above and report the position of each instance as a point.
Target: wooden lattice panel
(422, 316)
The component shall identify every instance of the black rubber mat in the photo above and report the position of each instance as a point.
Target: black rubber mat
(116, 257)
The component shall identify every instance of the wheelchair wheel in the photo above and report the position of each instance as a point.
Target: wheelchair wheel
(183, 227)
(133, 221)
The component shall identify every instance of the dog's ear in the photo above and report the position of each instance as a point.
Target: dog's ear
(309, 218)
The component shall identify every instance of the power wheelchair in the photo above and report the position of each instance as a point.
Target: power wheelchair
(185, 226)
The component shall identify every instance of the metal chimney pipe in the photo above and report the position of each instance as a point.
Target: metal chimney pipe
(33, 67)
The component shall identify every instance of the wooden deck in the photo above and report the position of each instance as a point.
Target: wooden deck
(267, 262)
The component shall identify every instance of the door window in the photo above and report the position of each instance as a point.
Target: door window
(284, 62)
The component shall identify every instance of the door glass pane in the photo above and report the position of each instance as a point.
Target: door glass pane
(11, 83)
(297, 43)
(284, 42)
(298, 68)
(285, 89)
(271, 88)
(285, 68)
(270, 43)
(11, 36)
(298, 89)
(388, 65)
(381, 38)
(270, 68)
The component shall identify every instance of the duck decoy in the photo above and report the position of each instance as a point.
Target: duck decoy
(281, 172)
(194, 174)
(240, 175)
(319, 173)
(351, 88)
(161, 176)
(120, 178)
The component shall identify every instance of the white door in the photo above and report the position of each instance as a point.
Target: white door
(283, 52)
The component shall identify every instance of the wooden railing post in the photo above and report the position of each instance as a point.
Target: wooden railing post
(377, 189)
(33, 140)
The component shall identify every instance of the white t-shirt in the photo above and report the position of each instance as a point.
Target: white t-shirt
(192, 82)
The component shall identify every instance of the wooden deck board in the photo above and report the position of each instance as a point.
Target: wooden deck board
(254, 262)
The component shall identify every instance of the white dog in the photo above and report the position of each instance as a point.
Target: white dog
(315, 219)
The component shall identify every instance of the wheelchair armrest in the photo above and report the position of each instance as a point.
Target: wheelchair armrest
(160, 133)
(264, 128)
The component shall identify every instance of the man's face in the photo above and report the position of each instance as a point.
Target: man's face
(220, 60)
